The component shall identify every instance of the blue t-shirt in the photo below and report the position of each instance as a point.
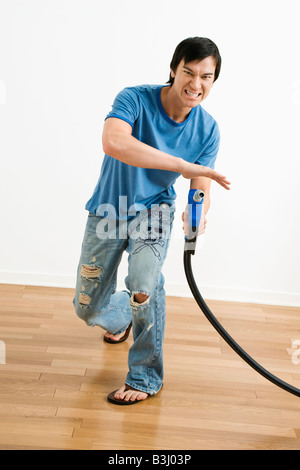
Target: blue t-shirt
(196, 140)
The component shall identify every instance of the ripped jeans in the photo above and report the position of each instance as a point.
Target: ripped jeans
(98, 304)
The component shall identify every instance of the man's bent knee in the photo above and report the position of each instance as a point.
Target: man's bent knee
(140, 298)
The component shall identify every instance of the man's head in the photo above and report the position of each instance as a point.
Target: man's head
(195, 50)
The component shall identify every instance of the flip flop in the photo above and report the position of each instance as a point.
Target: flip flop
(123, 338)
(118, 401)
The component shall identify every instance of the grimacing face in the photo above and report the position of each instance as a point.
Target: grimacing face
(193, 81)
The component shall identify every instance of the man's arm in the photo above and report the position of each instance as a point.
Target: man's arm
(204, 184)
(118, 142)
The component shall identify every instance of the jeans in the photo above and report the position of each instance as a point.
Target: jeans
(97, 303)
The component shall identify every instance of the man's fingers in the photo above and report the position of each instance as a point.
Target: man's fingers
(218, 177)
(222, 180)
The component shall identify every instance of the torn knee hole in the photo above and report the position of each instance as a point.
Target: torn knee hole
(90, 271)
(84, 299)
(140, 298)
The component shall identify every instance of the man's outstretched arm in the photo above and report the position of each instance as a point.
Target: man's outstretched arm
(119, 143)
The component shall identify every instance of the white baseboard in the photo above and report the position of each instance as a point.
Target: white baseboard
(237, 295)
(175, 290)
(37, 279)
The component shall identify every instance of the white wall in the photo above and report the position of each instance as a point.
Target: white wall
(61, 64)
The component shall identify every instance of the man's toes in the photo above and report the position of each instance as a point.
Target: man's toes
(125, 396)
(111, 336)
(130, 395)
(133, 396)
(139, 396)
(120, 393)
(143, 396)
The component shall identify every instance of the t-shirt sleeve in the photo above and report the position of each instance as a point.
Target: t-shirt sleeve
(209, 155)
(126, 106)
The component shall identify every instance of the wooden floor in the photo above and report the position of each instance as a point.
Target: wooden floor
(58, 373)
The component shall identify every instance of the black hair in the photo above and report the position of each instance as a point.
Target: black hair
(196, 48)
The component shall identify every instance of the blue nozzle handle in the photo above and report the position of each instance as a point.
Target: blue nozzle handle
(195, 201)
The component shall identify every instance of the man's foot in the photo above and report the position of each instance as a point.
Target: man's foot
(127, 395)
(114, 339)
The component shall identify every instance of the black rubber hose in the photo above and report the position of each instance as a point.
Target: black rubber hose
(229, 340)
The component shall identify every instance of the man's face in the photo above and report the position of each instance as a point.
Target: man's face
(193, 81)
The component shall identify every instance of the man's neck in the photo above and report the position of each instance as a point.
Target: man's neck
(172, 105)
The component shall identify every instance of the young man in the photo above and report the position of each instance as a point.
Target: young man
(152, 135)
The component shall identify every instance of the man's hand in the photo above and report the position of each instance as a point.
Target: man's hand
(185, 220)
(192, 170)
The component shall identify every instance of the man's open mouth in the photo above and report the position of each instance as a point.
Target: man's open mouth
(192, 95)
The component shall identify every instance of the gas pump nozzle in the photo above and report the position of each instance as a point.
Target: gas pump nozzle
(195, 201)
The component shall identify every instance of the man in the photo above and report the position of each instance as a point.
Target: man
(152, 135)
